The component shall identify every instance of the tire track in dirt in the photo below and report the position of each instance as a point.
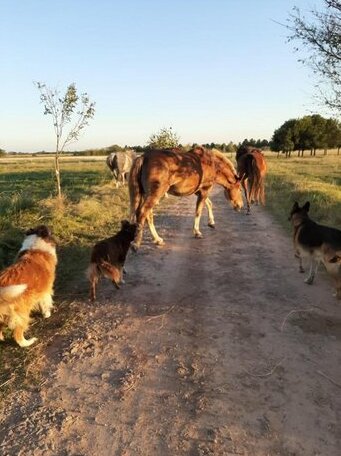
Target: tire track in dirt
(189, 358)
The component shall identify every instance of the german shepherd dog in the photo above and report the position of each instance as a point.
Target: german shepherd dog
(108, 257)
(27, 284)
(317, 242)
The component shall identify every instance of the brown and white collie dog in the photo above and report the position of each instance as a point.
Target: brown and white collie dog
(27, 284)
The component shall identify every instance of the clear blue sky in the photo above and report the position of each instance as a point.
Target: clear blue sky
(214, 70)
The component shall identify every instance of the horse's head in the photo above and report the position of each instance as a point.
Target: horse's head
(233, 194)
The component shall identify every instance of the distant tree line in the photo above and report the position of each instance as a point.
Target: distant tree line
(308, 133)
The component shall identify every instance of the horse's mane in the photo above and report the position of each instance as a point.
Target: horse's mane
(223, 157)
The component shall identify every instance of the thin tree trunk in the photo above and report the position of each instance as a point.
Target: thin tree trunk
(57, 172)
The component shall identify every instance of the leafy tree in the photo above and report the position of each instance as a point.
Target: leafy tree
(165, 138)
(284, 138)
(333, 134)
(310, 132)
(321, 35)
(68, 110)
(2, 152)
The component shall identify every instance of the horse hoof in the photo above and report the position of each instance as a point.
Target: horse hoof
(212, 225)
(198, 236)
(159, 241)
(301, 270)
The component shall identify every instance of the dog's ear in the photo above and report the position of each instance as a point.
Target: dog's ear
(306, 207)
(124, 224)
(29, 232)
(42, 231)
(294, 209)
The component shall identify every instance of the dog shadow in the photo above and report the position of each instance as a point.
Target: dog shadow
(313, 323)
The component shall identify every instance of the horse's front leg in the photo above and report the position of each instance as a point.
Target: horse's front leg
(209, 206)
(198, 210)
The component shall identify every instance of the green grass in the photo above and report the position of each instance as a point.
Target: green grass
(91, 209)
(317, 180)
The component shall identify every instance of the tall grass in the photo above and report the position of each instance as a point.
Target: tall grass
(91, 208)
(315, 179)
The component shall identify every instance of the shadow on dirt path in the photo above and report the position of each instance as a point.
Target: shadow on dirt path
(213, 347)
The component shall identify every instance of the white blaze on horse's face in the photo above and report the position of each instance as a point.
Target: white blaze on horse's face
(234, 195)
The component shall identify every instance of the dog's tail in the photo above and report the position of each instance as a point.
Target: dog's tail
(11, 292)
(95, 270)
(135, 187)
(112, 272)
(331, 254)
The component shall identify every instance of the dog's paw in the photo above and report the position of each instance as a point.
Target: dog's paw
(47, 314)
(134, 247)
(27, 342)
(2, 338)
(337, 293)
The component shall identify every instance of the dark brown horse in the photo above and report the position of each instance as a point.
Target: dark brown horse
(180, 174)
(251, 165)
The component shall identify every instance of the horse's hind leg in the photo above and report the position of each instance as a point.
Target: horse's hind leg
(247, 194)
(209, 206)
(198, 210)
(150, 219)
(262, 192)
(143, 214)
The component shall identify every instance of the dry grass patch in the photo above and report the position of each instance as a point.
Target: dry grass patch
(316, 179)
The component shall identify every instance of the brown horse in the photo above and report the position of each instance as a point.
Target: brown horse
(180, 174)
(251, 165)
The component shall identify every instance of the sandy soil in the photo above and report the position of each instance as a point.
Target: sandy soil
(196, 355)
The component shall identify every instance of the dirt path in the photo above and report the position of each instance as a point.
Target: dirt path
(193, 356)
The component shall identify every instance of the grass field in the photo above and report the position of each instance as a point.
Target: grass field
(314, 179)
(92, 209)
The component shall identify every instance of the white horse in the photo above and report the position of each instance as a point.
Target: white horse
(120, 164)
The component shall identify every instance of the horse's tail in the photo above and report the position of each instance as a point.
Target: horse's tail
(255, 178)
(135, 187)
